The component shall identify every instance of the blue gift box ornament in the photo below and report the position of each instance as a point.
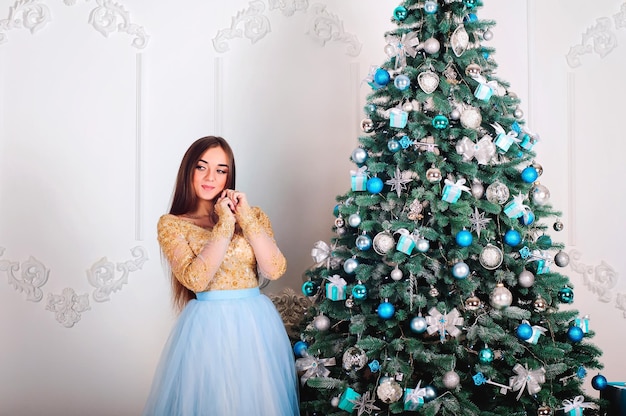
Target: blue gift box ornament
(336, 288)
(577, 406)
(407, 241)
(537, 332)
(452, 190)
(485, 88)
(583, 323)
(528, 140)
(359, 179)
(347, 399)
(414, 398)
(504, 140)
(516, 207)
(398, 118)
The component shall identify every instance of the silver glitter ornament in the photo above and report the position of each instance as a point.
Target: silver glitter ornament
(432, 46)
(354, 358)
(526, 278)
(321, 322)
(544, 411)
(477, 189)
(491, 257)
(471, 118)
(389, 391)
(497, 193)
(349, 303)
(561, 259)
(383, 243)
(451, 379)
(501, 297)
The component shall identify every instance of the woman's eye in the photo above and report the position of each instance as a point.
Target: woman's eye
(222, 171)
(200, 167)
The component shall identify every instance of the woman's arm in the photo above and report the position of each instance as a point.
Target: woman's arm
(257, 230)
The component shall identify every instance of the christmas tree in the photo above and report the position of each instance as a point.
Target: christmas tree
(441, 293)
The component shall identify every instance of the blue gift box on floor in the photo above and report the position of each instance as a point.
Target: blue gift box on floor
(617, 400)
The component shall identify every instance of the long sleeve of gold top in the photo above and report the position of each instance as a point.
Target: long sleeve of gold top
(257, 230)
(194, 260)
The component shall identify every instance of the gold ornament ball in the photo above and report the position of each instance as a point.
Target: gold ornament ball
(472, 303)
(544, 411)
(540, 304)
(501, 297)
(433, 175)
(367, 125)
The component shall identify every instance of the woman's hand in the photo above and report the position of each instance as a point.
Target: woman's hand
(225, 207)
(238, 199)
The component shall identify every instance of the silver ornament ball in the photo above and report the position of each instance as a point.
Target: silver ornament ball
(561, 259)
(321, 323)
(396, 274)
(487, 34)
(455, 114)
(334, 402)
(526, 279)
(501, 297)
(478, 190)
(432, 46)
(354, 220)
(354, 358)
(518, 113)
(422, 245)
(491, 257)
(389, 391)
(497, 193)
(383, 242)
(419, 324)
(540, 194)
(451, 379)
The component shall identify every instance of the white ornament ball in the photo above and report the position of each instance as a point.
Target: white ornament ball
(518, 113)
(526, 279)
(540, 194)
(334, 402)
(501, 297)
(422, 245)
(491, 257)
(451, 379)
(354, 220)
(321, 323)
(383, 242)
(487, 34)
(396, 274)
(432, 45)
(478, 190)
(471, 118)
(389, 391)
(455, 114)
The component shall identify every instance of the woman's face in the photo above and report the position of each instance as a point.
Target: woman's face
(211, 173)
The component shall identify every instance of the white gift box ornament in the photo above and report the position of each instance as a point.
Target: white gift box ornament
(336, 288)
(359, 179)
(398, 118)
(452, 190)
(504, 140)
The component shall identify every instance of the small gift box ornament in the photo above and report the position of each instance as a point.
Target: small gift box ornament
(516, 207)
(528, 139)
(398, 118)
(583, 323)
(452, 190)
(577, 406)
(414, 398)
(336, 288)
(485, 88)
(407, 241)
(504, 140)
(348, 399)
(359, 179)
(543, 267)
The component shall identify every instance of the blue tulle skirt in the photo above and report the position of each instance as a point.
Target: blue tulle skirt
(227, 355)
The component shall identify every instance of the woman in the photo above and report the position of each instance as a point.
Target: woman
(228, 353)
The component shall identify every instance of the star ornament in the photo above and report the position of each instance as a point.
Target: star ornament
(364, 404)
(478, 221)
(399, 181)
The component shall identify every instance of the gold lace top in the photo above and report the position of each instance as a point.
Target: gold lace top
(188, 246)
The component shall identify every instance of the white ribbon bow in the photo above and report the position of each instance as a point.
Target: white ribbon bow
(495, 87)
(483, 151)
(417, 394)
(313, 367)
(577, 403)
(336, 280)
(437, 322)
(406, 45)
(500, 130)
(458, 184)
(359, 172)
(528, 379)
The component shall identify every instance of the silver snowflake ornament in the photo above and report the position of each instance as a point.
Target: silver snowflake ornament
(399, 181)
(478, 220)
(364, 404)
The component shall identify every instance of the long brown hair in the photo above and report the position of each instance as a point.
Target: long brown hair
(185, 199)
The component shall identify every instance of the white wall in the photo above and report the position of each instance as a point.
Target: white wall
(92, 130)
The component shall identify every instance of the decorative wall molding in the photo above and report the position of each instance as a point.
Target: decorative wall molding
(25, 14)
(30, 280)
(68, 306)
(107, 18)
(253, 24)
(601, 280)
(102, 274)
(600, 38)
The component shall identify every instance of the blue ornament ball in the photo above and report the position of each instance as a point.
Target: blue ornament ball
(393, 146)
(431, 7)
(599, 382)
(419, 324)
(566, 295)
(370, 108)
(400, 13)
(402, 82)
(460, 270)
(529, 174)
(374, 185)
(470, 4)
(440, 122)
(471, 17)
(386, 310)
(544, 242)
(464, 238)
(485, 356)
(430, 393)
(363, 242)
(359, 291)
(524, 331)
(512, 238)
(300, 348)
(575, 334)
(381, 77)
(359, 155)
(309, 288)
(336, 210)
(350, 265)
